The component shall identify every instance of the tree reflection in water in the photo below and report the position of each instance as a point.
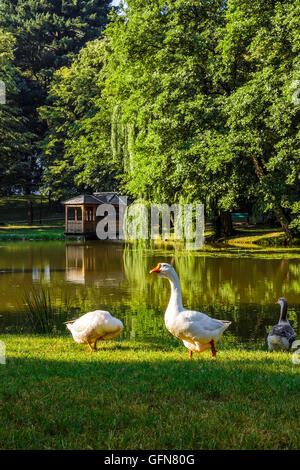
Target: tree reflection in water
(242, 289)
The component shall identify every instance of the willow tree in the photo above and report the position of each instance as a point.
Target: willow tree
(162, 82)
(260, 66)
(187, 101)
(206, 88)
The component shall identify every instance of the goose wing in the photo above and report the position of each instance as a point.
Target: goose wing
(91, 321)
(197, 325)
(283, 331)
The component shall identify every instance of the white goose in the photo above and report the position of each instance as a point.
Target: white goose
(282, 335)
(93, 327)
(197, 330)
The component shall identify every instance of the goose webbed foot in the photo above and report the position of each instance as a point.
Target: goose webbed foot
(95, 344)
(213, 349)
(91, 348)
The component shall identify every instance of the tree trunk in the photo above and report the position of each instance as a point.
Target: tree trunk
(283, 222)
(226, 224)
(30, 213)
(278, 211)
(26, 190)
(223, 225)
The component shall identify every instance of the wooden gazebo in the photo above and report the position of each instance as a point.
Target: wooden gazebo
(80, 212)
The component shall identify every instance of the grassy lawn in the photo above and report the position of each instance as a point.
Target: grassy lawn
(254, 236)
(45, 232)
(54, 394)
(15, 208)
(14, 219)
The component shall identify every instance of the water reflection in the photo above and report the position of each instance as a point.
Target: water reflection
(114, 277)
(87, 264)
(75, 265)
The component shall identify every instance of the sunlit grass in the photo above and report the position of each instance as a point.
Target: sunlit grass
(50, 224)
(14, 218)
(55, 394)
(32, 233)
(258, 241)
(256, 238)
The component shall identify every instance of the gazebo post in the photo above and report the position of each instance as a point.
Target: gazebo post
(66, 217)
(82, 218)
(94, 217)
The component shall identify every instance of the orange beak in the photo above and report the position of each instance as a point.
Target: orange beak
(156, 270)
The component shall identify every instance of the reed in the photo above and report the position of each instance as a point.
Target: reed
(45, 313)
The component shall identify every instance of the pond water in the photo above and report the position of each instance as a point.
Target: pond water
(237, 287)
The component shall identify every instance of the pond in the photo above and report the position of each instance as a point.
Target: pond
(234, 286)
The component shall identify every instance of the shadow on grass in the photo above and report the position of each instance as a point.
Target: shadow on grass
(111, 400)
(110, 362)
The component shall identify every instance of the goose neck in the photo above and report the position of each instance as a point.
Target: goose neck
(175, 299)
(283, 313)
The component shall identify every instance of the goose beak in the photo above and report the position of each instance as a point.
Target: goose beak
(276, 302)
(156, 270)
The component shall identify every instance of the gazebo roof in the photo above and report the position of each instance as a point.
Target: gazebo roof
(97, 198)
(82, 199)
(110, 198)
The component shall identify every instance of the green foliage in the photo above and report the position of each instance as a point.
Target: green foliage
(15, 139)
(46, 35)
(159, 79)
(261, 65)
(180, 101)
(49, 33)
(77, 149)
(33, 234)
(208, 91)
(14, 210)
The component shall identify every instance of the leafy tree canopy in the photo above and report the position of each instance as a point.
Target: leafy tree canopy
(181, 101)
(46, 34)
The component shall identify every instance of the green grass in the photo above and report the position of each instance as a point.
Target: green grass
(259, 236)
(32, 233)
(255, 239)
(14, 218)
(15, 208)
(244, 237)
(55, 394)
